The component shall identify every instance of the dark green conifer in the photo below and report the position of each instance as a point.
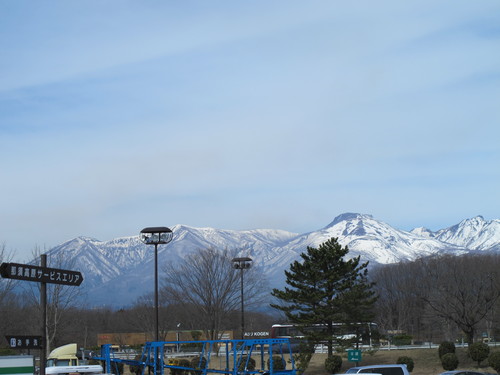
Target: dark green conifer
(325, 289)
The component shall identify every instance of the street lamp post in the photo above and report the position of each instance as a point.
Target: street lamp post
(242, 264)
(156, 236)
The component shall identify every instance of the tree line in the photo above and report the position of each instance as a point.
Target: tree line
(444, 297)
(447, 297)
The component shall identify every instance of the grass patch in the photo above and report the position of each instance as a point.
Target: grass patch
(426, 361)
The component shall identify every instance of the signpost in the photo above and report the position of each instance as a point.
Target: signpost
(25, 342)
(354, 355)
(28, 272)
(43, 275)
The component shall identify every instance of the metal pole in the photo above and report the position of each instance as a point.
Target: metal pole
(156, 294)
(242, 308)
(43, 302)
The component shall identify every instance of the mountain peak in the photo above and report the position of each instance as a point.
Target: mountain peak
(475, 220)
(474, 233)
(422, 232)
(348, 216)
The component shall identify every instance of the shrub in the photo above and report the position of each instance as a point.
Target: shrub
(446, 347)
(494, 361)
(278, 363)
(449, 361)
(478, 352)
(116, 368)
(181, 362)
(250, 366)
(402, 340)
(151, 369)
(333, 364)
(304, 356)
(136, 369)
(7, 351)
(408, 361)
(198, 365)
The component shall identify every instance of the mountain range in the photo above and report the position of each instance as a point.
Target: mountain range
(118, 271)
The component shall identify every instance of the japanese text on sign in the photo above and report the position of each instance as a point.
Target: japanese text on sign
(24, 342)
(41, 274)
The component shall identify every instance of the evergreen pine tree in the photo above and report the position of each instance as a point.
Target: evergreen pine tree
(325, 290)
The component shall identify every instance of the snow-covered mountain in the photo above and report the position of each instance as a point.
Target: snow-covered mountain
(373, 240)
(117, 272)
(473, 234)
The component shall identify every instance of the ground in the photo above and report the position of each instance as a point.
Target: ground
(426, 361)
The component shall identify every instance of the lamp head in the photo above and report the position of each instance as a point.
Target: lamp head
(242, 263)
(156, 235)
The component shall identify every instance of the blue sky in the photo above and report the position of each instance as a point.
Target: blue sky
(117, 115)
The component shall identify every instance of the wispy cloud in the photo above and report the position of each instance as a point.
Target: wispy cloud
(118, 115)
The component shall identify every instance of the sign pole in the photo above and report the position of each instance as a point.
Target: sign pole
(43, 302)
(43, 275)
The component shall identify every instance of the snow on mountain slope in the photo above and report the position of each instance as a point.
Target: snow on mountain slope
(373, 240)
(100, 261)
(473, 234)
(423, 232)
(117, 272)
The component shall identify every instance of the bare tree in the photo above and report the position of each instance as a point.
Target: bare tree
(7, 296)
(437, 297)
(141, 317)
(395, 304)
(6, 285)
(60, 298)
(206, 281)
(399, 306)
(462, 289)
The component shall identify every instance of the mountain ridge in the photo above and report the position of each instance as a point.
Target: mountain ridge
(118, 271)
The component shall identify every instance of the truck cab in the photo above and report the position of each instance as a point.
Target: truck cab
(63, 360)
(63, 356)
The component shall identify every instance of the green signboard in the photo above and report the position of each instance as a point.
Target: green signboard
(354, 355)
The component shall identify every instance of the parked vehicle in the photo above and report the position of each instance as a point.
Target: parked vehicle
(358, 332)
(63, 360)
(380, 369)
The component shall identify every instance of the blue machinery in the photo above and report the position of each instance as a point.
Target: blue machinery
(234, 357)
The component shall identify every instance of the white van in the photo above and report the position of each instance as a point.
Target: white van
(380, 369)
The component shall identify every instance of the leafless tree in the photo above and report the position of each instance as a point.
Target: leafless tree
(6, 285)
(462, 289)
(395, 303)
(7, 296)
(60, 298)
(140, 317)
(437, 297)
(207, 282)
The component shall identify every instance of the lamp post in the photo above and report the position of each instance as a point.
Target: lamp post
(242, 264)
(156, 236)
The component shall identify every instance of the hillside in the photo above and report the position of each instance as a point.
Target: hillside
(118, 271)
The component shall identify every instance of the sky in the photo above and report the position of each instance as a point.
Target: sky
(118, 115)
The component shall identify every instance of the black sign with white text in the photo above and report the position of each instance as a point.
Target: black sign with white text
(24, 342)
(39, 274)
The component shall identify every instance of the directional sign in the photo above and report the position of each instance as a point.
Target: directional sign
(24, 342)
(39, 274)
(354, 355)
